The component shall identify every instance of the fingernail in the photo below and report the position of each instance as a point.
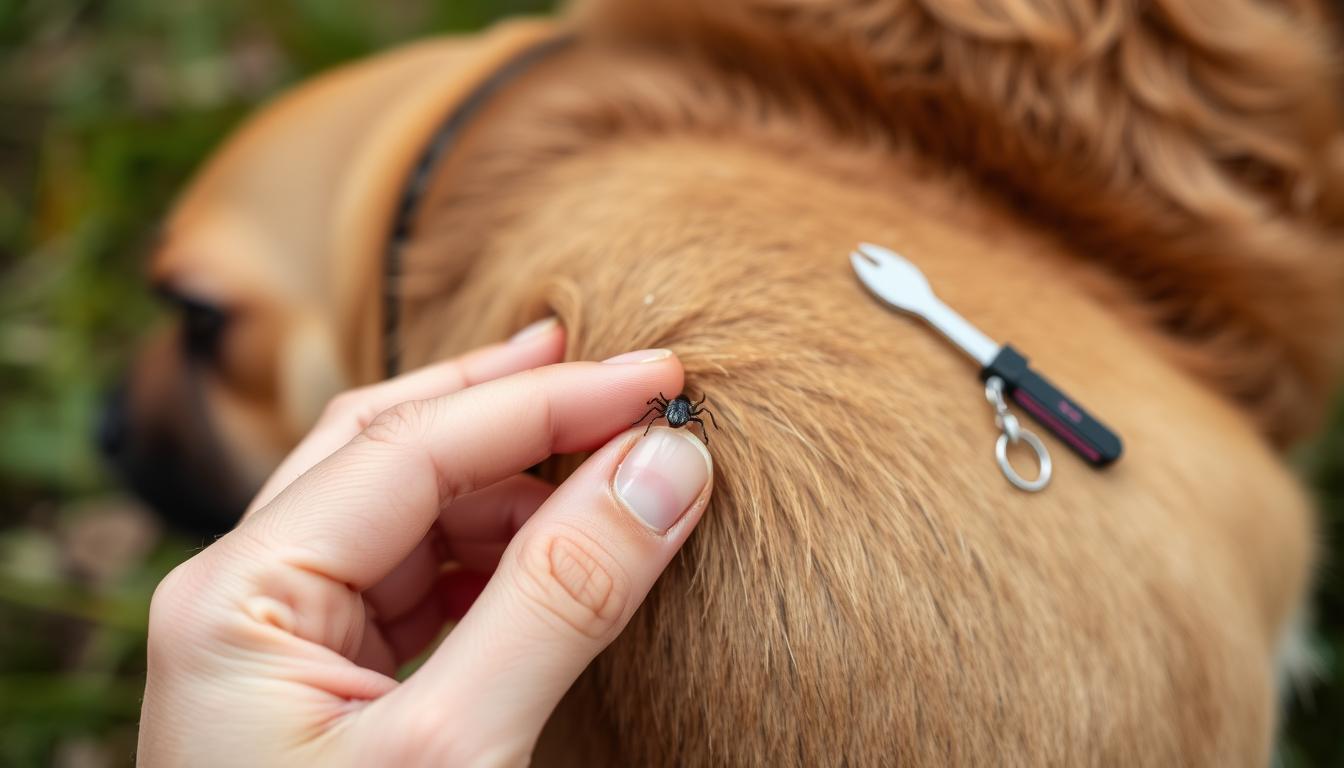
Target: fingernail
(640, 356)
(662, 476)
(534, 330)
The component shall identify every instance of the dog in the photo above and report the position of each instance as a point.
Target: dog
(1146, 197)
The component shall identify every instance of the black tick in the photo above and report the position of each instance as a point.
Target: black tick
(679, 411)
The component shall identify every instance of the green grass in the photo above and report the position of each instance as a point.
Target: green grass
(106, 107)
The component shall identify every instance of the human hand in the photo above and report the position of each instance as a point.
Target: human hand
(278, 643)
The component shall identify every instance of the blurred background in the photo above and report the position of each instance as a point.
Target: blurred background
(106, 107)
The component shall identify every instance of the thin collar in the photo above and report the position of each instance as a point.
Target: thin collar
(418, 182)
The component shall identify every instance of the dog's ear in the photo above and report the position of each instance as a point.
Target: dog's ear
(1195, 148)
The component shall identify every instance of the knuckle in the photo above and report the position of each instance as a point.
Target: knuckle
(403, 428)
(172, 592)
(397, 424)
(174, 609)
(573, 583)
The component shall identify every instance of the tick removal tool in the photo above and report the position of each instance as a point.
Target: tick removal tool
(1007, 376)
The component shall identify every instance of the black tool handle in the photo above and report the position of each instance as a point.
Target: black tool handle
(1053, 409)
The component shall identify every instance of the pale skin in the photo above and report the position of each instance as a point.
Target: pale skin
(402, 510)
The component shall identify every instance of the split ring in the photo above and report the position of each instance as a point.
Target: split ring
(1042, 460)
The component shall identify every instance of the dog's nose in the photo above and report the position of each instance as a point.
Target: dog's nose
(112, 427)
(174, 472)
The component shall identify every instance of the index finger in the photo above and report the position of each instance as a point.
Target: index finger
(349, 413)
(358, 513)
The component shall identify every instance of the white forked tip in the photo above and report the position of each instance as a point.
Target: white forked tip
(878, 253)
(864, 266)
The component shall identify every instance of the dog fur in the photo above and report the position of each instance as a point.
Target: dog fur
(1146, 198)
(1150, 204)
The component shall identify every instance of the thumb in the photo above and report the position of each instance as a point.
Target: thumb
(567, 585)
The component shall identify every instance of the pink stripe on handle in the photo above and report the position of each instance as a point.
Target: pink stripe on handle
(1055, 425)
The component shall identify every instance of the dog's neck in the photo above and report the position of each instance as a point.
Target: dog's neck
(387, 163)
(518, 54)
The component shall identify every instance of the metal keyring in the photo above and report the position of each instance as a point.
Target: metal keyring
(1042, 458)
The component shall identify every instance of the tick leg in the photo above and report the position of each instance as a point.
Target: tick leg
(703, 433)
(711, 416)
(703, 398)
(646, 415)
(651, 423)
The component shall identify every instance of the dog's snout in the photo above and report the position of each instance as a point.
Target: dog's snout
(165, 455)
(111, 429)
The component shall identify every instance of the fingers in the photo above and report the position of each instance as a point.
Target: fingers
(567, 585)
(478, 526)
(451, 595)
(472, 532)
(412, 603)
(541, 343)
(361, 511)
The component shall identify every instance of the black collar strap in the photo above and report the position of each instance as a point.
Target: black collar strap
(418, 183)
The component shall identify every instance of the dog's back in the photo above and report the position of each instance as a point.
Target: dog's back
(866, 587)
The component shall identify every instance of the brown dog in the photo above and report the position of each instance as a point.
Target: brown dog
(1148, 198)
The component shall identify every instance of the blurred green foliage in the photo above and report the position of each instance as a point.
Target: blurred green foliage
(106, 107)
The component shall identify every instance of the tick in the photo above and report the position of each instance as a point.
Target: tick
(679, 411)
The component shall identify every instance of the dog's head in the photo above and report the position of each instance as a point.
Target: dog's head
(270, 263)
